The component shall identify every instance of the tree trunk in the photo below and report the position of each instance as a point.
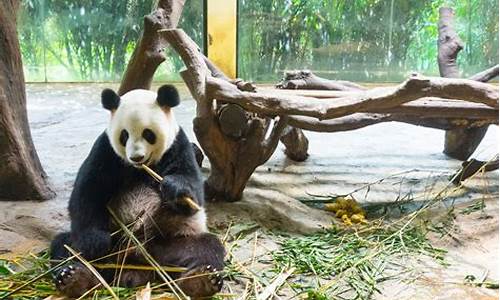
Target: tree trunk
(21, 174)
(449, 44)
(486, 75)
(459, 143)
(232, 161)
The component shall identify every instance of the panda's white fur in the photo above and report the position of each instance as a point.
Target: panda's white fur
(138, 110)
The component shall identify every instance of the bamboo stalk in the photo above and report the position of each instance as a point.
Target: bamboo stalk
(139, 267)
(271, 289)
(172, 285)
(158, 178)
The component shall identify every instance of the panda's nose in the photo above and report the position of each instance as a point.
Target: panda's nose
(137, 158)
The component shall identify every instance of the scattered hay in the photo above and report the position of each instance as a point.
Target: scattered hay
(341, 262)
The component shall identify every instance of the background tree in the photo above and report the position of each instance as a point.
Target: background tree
(21, 174)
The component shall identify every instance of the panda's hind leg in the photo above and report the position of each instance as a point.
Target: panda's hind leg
(72, 279)
(202, 255)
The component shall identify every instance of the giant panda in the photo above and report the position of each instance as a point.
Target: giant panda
(142, 130)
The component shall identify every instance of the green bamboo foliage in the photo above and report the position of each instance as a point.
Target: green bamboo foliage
(359, 40)
(89, 40)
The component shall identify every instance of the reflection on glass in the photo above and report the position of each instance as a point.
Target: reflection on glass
(69, 40)
(359, 40)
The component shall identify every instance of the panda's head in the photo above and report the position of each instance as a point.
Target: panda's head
(142, 126)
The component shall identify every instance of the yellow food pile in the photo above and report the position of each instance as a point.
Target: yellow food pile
(348, 210)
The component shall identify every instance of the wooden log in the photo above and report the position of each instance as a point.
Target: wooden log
(459, 143)
(306, 80)
(443, 108)
(320, 94)
(149, 52)
(473, 166)
(196, 70)
(486, 75)
(296, 143)
(360, 120)
(375, 99)
(233, 120)
(21, 174)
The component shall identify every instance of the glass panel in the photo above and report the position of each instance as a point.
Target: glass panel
(359, 40)
(70, 40)
(192, 23)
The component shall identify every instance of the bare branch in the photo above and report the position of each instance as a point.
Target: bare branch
(320, 94)
(486, 75)
(360, 120)
(149, 52)
(372, 100)
(272, 141)
(472, 167)
(306, 80)
(443, 108)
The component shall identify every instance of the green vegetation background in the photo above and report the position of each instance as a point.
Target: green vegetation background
(359, 40)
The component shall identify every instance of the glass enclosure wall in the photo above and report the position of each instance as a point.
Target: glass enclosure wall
(360, 40)
(91, 40)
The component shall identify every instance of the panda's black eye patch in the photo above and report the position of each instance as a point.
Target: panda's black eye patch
(149, 136)
(123, 137)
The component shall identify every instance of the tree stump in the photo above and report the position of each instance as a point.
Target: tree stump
(21, 174)
(296, 143)
(459, 143)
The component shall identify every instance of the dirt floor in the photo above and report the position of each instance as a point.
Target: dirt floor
(65, 120)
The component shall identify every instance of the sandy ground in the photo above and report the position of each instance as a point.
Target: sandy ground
(66, 119)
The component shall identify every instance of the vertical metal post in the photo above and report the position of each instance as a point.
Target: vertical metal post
(42, 14)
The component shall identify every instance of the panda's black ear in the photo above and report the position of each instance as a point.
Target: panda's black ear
(168, 96)
(109, 99)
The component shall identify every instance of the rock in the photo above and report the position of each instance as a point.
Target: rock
(272, 210)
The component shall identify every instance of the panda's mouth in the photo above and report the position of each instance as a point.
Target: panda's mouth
(146, 162)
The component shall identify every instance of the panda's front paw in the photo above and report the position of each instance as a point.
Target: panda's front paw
(172, 194)
(171, 191)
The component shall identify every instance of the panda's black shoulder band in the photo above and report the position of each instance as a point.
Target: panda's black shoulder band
(109, 99)
(168, 96)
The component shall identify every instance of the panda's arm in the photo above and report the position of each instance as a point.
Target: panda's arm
(181, 176)
(95, 184)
